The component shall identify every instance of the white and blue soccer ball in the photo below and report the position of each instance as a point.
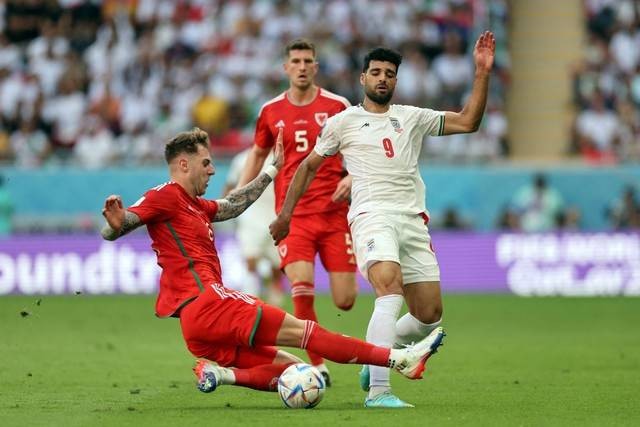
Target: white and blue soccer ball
(301, 386)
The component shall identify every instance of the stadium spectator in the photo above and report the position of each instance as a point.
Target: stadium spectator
(538, 205)
(607, 84)
(624, 213)
(6, 209)
(141, 54)
(253, 236)
(30, 145)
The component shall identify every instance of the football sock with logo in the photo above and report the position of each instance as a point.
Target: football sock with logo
(341, 348)
(262, 377)
(409, 329)
(382, 331)
(303, 295)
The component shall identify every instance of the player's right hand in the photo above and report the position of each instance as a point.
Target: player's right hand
(278, 153)
(279, 229)
(113, 212)
(343, 190)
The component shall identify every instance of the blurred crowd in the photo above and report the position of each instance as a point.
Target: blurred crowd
(95, 84)
(607, 84)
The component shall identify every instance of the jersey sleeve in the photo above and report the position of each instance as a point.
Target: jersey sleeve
(157, 205)
(328, 143)
(210, 207)
(263, 136)
(431, 122)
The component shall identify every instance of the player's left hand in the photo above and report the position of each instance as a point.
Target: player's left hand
(278, 152)
(113, 212)
(343, 190)
(279, 229)
(484, 51)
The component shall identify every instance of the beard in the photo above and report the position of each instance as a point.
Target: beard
(380, 99)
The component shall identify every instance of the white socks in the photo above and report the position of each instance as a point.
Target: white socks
(382, 332)
(409, 329)
(227, 376)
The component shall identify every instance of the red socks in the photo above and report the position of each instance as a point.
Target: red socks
(302, 295)
(341, 348)
(262, 377)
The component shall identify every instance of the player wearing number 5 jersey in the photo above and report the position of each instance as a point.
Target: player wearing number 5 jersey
(319, 224)
(380, 144)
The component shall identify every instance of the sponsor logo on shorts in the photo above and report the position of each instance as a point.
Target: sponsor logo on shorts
(371, 245)
(282, 249)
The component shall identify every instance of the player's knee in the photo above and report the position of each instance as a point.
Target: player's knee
(345, 305)
(429, 314)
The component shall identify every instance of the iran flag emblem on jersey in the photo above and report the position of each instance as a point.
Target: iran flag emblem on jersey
(321, 118)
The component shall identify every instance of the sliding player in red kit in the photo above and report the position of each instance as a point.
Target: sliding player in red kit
(319, 224)
(234, 333)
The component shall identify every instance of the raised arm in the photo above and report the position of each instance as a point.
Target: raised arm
(305, 173)
(468, 120)
(253, 166)
(238, 200)
(119, 220)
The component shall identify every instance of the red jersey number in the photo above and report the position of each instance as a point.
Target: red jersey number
(388, 148)
(302, 143)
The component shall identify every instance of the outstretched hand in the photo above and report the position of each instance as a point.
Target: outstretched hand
(278, 153)
(484, 51)
(113, 212)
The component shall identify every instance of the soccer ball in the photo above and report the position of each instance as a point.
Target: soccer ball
(301, 386)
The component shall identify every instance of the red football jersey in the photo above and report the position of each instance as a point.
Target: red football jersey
(302, 125)
(182, 237)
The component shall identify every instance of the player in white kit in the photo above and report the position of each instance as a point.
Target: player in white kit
(380, 143)
(253, 238)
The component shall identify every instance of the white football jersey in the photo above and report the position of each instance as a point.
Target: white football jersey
(262, 211)
(381, 154)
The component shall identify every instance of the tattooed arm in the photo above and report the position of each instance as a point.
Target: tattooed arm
(119, 220)
(241, 198)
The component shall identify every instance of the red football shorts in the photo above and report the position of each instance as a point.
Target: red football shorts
(325, 233)
(231, 328)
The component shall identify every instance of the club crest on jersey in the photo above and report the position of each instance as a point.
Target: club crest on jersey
(321, 118)
(396, 124)
(283, 250)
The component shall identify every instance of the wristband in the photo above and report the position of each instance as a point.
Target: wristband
(272, 171)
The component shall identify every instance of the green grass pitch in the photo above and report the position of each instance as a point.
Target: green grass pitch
(93, 361)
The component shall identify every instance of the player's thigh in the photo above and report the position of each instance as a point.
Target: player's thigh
(334, 243)
(344, 289)
(219, 318)
(299, 271)
(300, 243)
(375, 239)
(424, 300)
(417, 257)
(386, 278)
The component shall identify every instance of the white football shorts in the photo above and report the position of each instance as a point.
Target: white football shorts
(256, 242)
(402, 238)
